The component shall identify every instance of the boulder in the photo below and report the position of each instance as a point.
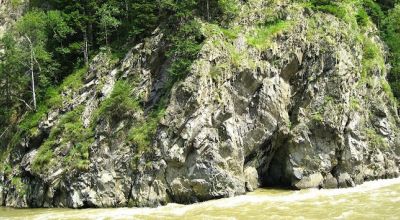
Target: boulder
(251, 178)
(312, 181)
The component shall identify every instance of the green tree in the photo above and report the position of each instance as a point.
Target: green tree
(12, 82)
(142, 17)
(387, 4)
(107, 20)
(58, 30)
(392, 37)
(38, 62)
(374, 11)
(80, 16)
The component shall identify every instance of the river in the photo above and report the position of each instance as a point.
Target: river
(372, 200)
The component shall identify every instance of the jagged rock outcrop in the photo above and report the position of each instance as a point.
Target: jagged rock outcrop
(10, 11)
(295, 108)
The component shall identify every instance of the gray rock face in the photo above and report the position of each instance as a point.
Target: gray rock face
(9, 12)
(251, 178)
(312, 181)
(330, 182)
(294, 113)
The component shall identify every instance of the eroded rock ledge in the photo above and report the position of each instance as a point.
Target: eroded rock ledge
(297, 112)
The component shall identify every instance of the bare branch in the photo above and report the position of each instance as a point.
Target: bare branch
(23, 101)
(4, 132)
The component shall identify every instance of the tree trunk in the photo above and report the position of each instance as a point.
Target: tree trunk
(33, 79)
(8, 90)
(127, 9)
(91, 38)
(208, 10)
(106, 36)
(86, 48)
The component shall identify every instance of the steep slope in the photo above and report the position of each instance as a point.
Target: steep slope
(9, 12)
(282, 95)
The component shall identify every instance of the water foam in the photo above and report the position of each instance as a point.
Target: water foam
(251, 199)
(295, 196)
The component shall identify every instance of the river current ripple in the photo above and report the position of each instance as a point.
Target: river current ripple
(372, 200)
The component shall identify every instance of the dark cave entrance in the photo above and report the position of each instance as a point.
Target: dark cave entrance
(273, 164)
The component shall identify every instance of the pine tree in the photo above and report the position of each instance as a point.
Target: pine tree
(107, 20)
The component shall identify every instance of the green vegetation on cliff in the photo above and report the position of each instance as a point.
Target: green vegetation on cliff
(123, 97)
(392, 37)
(54, 37)
(66, 35)
(48, 49)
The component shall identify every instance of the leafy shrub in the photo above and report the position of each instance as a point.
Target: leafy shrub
(375, 140)
(330, 7)
(52, 99)
(119, 105)
(317, 117)
(371, 50)
(374, 11)
(229, 8)
(20, 187)
(230, 34)
(75, 80)
(69, 131)
(261, 38)
(43, 156)
(143, 132)
(387, 89)
(372, 57)
(78, 155)
(354, 104)
(186, 44)
(362, 18)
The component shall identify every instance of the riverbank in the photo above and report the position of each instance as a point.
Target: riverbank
(372, 200)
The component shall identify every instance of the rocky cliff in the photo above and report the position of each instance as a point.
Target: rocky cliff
(283, 95)
(9, 12)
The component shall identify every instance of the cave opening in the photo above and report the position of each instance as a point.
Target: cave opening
(272, 170)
